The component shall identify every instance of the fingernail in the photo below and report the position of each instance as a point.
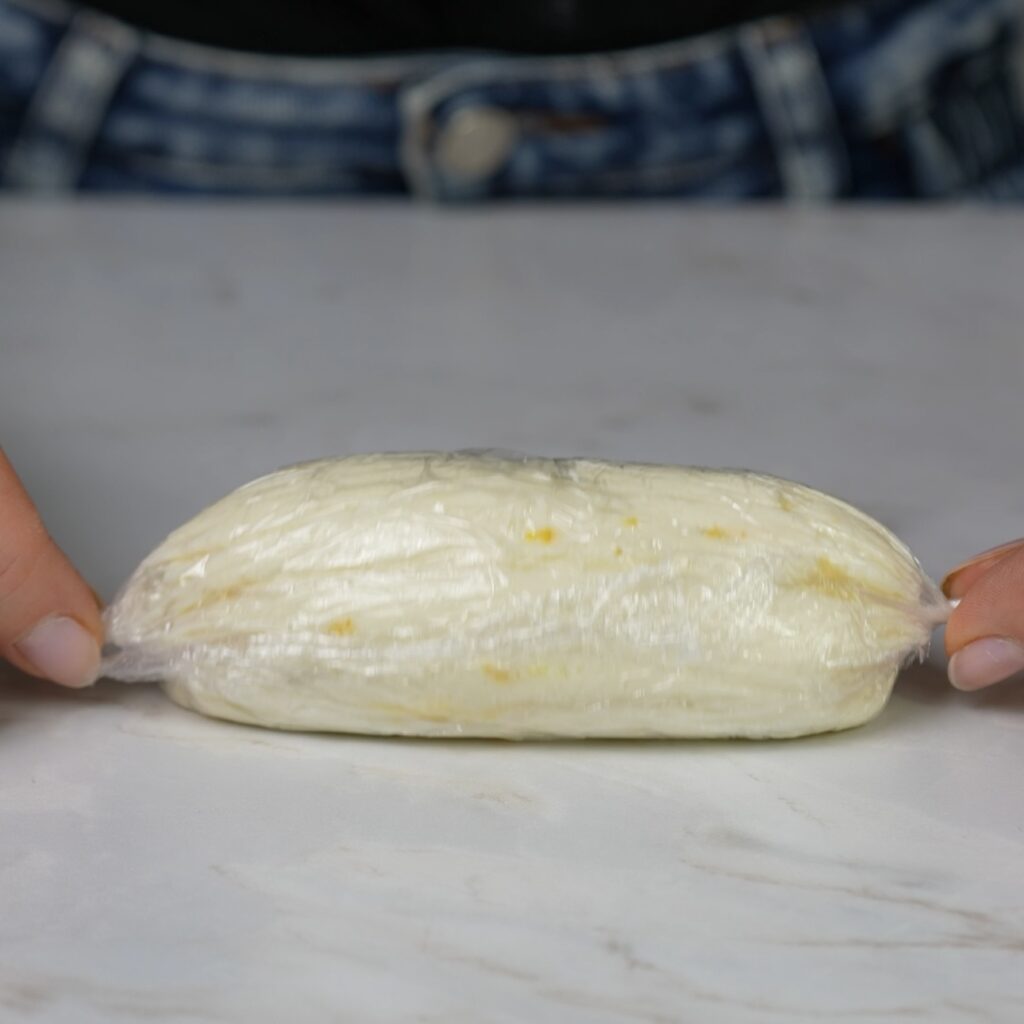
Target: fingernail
(992, 554)
(984, 662)
(62, 650)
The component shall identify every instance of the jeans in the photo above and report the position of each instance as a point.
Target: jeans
(886, 99)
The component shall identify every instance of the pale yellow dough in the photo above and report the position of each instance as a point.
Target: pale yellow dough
(479, 595)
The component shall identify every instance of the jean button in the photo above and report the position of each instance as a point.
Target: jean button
(476, 141)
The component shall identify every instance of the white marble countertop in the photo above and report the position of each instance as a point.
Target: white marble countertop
(158, 866)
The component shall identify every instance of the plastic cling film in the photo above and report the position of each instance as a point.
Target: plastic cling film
(487, 595)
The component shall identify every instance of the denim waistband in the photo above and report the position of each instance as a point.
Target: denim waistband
(891, 97)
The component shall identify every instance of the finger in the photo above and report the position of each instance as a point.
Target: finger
(50, 621)
(959, 580)
(985, 634)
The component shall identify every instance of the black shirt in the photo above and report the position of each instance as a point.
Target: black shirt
(353, 27)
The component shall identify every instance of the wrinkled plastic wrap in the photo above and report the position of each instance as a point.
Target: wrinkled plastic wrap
(484, 595)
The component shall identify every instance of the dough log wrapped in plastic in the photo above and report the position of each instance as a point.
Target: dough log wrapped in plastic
(483, 595)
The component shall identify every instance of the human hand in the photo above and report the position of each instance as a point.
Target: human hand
(50, 622)
(985, 634)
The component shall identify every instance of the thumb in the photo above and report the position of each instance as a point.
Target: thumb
(49, 619)
(985, 635)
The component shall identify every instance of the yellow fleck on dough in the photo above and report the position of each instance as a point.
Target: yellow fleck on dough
(341, 627)
(215, 597)
(834, 581)
(543, 535)
(436, 712)
(715, 532)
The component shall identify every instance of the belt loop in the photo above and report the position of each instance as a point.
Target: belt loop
(67, 110)
(797, 105)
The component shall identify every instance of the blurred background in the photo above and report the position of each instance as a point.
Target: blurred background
(708, 233)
